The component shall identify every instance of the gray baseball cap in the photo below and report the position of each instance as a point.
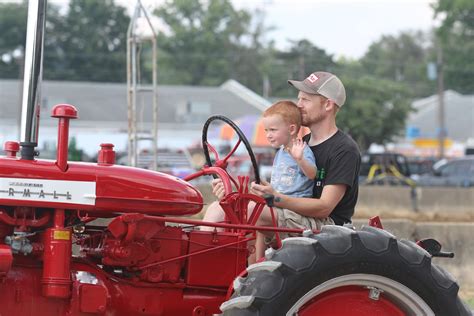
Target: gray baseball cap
(323, 83)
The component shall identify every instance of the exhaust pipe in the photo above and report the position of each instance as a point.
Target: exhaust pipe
(32, 78)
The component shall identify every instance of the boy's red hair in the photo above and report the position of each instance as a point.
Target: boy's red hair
(287, 110)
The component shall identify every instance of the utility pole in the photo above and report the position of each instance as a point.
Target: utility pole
(301, 64)
(266, 86)
(441, 114)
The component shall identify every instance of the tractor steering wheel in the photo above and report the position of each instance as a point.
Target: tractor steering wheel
(223, 163)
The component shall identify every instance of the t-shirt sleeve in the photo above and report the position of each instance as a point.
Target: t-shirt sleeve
(343, 169)
(308, 155)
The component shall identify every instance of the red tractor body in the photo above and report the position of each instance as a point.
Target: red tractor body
(135, 265)
(56, 260)
(81, 239)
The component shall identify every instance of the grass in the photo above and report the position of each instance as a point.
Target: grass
(464, 217)
(467, 295)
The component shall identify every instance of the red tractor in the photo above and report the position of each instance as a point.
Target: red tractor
(149, 260)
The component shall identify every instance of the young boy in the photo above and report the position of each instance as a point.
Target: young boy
(294, 166)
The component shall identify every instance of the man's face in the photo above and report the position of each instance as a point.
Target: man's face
(312, 107)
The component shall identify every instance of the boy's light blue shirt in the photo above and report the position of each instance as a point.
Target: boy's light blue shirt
(288, 178)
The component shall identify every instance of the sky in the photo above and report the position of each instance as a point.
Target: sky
(340, 27)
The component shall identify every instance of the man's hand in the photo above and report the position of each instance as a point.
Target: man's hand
(262, 189)
(218, 188)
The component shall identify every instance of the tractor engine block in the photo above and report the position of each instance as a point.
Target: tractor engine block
(137, 246)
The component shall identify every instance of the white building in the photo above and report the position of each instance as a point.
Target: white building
(459, 116)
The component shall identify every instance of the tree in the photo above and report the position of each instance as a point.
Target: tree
(376, 109)
(92, 46)
(74, 153)
(296, 63)
(401, 58)
(87, 43)
(12, 40)
(456, 37)
(456, 15)
(208, 41)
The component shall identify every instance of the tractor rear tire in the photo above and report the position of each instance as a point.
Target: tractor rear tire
(335, 267)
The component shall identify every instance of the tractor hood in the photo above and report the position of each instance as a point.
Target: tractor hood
(95, 188)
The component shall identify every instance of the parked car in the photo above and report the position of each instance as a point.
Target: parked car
(419, 166)
(454, 173)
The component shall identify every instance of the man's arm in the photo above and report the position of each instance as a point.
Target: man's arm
(318, 208)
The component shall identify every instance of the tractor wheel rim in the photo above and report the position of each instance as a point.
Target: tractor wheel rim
(403, 297)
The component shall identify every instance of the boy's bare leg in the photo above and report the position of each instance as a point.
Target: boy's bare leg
(259, 246)
(214, 213)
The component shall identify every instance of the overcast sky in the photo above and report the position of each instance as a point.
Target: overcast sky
(341, 27)
(344, 27)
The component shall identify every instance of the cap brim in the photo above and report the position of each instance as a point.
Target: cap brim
(300, 85)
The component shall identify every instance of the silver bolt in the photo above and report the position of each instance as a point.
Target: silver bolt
(374, 293)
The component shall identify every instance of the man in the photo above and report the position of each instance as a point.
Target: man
(320, 97)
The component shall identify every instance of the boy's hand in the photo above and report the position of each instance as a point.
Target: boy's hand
(218, 188)
(296, 151)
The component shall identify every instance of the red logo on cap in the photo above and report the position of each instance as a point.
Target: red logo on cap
(312, 78)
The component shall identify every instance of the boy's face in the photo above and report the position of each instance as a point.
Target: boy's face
(277, 131)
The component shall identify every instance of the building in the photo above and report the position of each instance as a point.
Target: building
(102, 109)
(422, 126)
(459, 116)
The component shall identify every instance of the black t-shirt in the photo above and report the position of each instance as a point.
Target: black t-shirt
(338, 162)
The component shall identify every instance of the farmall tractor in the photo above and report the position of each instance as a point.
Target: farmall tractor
(152, 260)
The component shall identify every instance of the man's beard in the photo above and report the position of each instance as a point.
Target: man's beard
(307, 121)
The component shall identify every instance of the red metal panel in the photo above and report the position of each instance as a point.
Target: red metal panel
(93, 298)
(6, 259)
(21, 295)
(118, 188)
(215, 268)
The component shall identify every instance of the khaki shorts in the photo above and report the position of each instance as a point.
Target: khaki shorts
(290, 219)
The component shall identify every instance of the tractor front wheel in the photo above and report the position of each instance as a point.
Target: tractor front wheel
(346, 272)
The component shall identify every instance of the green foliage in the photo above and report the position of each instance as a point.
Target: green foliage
(456, 35)
(12, 39)
(403, 58)
(205, 46)
(459, 64)
(456, 15)
(87, 44)
(74, 153)
(296, 63)
(375, 110)
(93, 45)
